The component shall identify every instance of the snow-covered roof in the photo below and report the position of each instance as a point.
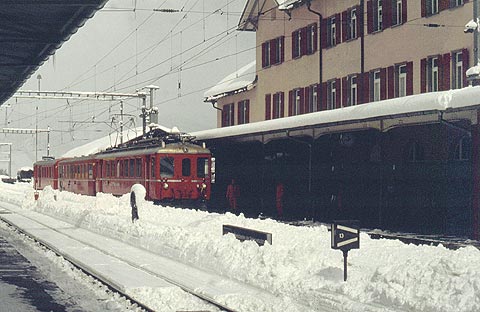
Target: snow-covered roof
(241, 80)
(420, 103)
(288, 4)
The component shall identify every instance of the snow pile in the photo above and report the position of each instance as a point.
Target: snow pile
(383, 275)
(243, 78)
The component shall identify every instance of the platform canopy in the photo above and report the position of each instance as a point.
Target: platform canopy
(31, 31)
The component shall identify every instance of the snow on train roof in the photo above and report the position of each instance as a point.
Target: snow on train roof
(103, 143)
(433, 101)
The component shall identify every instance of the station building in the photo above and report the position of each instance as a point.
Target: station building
(320, 66)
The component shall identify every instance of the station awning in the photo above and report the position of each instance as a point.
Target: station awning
(31, 31)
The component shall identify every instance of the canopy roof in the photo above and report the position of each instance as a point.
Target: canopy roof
(31, 31)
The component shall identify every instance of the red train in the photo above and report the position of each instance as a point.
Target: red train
(170, 168)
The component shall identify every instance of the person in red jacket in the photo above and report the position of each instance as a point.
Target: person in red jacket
(279, 199)
(233, 193)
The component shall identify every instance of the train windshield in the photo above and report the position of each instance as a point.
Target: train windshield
(166, 167)
(202, 167)
(186, 171)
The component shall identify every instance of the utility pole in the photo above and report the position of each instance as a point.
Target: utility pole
(39, 78)
(121, 122)
(475, 33)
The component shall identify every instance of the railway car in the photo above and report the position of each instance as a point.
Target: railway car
(25, 174)
(170, 166)
(178, 171)
(78, 175)
(45, 172)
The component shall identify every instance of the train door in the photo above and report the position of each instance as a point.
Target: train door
(99, 180)
(150, 176)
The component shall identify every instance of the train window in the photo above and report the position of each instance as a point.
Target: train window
(139, 167)
(152, 167)
(186, 171)
(125, 168)
(118, 168)
(166, 167)
(108, 169)
(202, 167)
(90, 171)
(132, 167)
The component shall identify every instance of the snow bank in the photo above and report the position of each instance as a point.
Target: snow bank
(384, 275)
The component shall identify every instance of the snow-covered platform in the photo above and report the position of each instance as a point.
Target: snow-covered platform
(127, 268)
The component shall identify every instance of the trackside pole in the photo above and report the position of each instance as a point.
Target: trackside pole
(345, 255)
(345, 236)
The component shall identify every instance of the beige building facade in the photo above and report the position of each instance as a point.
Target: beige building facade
(327, 54)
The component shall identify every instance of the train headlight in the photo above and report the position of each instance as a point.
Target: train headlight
(204, 186)
(165, 186)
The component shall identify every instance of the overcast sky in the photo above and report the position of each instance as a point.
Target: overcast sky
(121, 49)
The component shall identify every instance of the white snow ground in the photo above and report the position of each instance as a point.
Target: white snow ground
(300, 266)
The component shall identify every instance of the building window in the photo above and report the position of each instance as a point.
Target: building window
(243, 112)
(432, 74)
(331, 31)
(431, 7)
(331, 94)
(297, 102)
(378, 15)
(457, 3)
(352, 91)
(227, 115)
(278, 105)
(266, 54)
(297, 43)
(376, 85)
(311, 38)
(457, 70)
(352, 24)
(311, 97)
(463, 149)
(401, 80)
(397, 12)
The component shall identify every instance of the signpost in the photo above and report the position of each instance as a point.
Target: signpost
(345, 236)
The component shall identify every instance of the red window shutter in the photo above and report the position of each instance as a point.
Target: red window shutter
(315, 37)
(274, 106)
(303, 41)
(323, 104)
(302, 101)
(466, 65)
(383, 84)
(446, 71)
(224, 116)
(344, 26)
(387, 14)
(366, 87)
(273, 51)
(424, 8)
(268, 106)
(409, 78)
(323, 33)
(290, 103)
(404, 11)
(338, 93)
(308, 95)
(294, 45)
(344, 92)
(319, 96)
(238, 113)
(247, 111)
(369, 16)
(391, 81)
(282, 104)
(338, 34)
(264, 50)
(443, 5)
(423, 75)
(282, 50)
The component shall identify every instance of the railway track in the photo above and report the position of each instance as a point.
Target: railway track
(112, 286)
